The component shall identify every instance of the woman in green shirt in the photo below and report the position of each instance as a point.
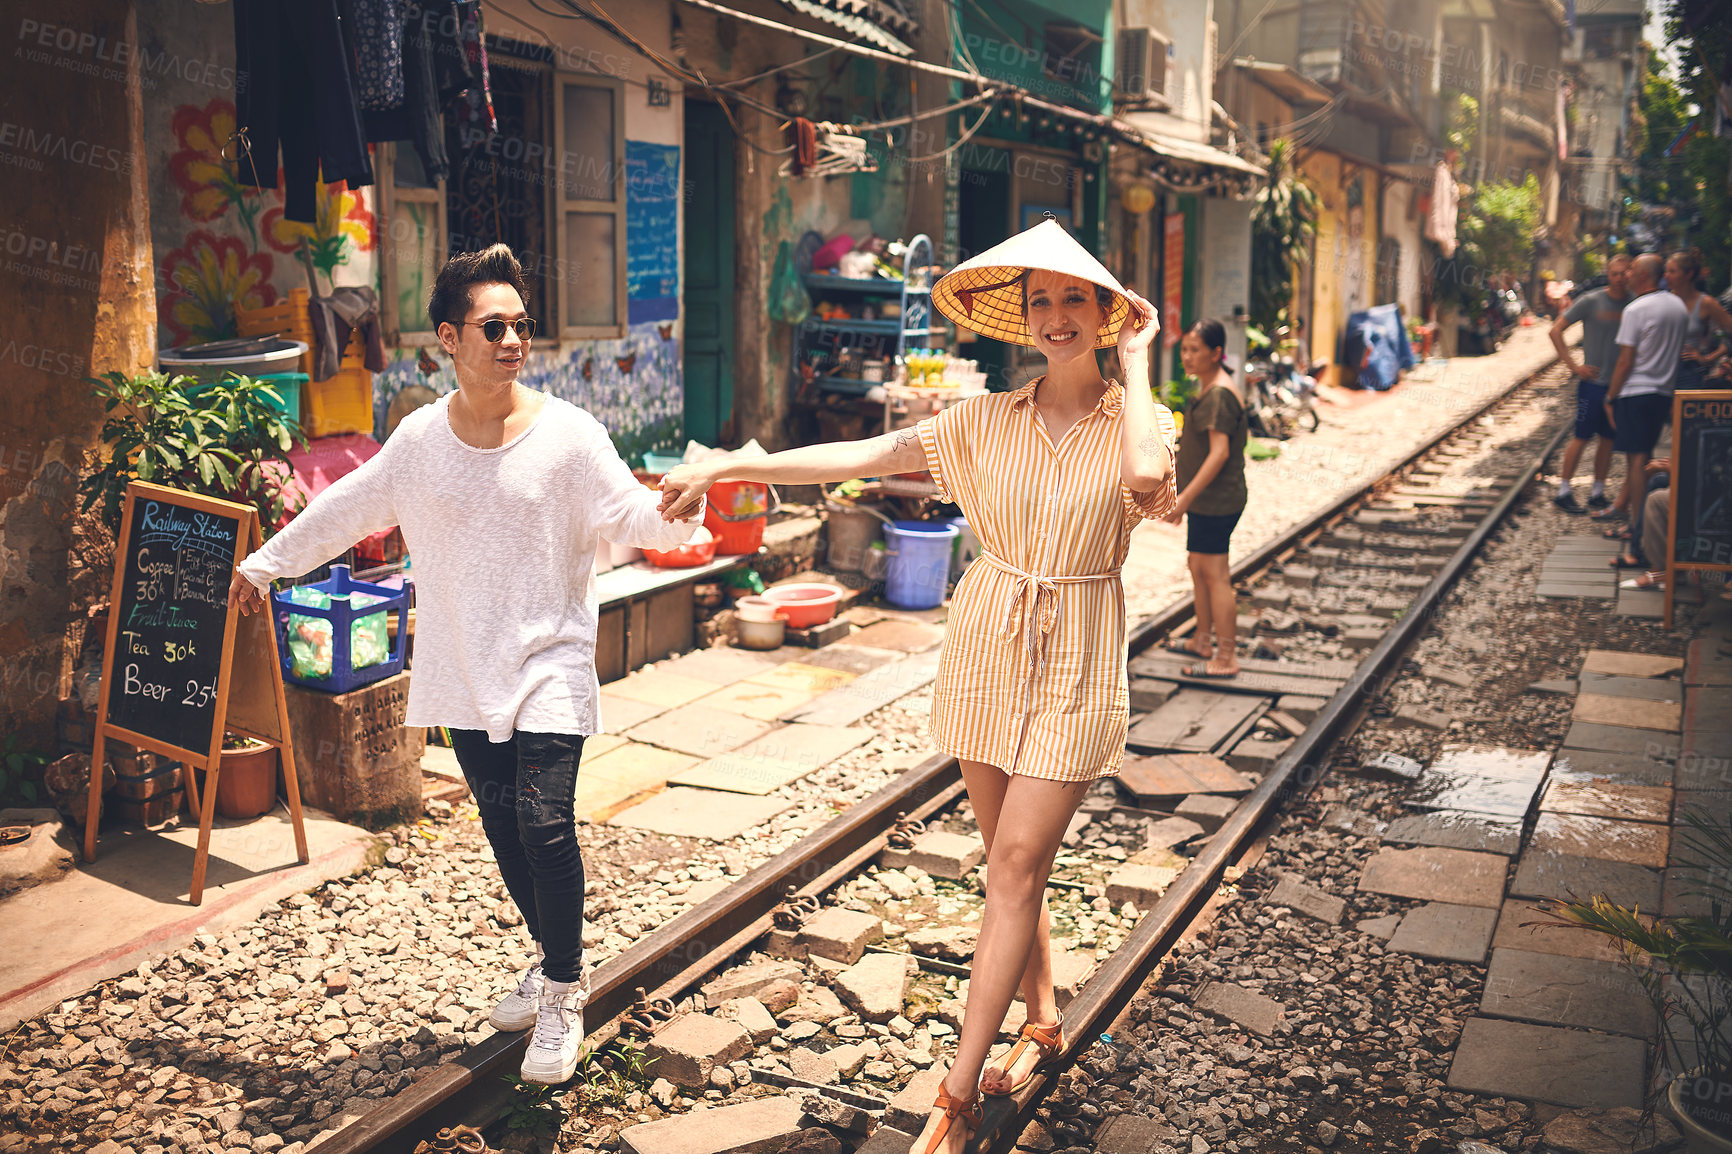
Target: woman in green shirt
(1211, 478)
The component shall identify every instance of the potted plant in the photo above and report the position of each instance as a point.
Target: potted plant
(1684, 964)
(224, 439)
(247, 780)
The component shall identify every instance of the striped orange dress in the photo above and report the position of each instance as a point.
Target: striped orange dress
(1032, 674)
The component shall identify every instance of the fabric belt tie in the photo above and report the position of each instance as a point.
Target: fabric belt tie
(1033, 609)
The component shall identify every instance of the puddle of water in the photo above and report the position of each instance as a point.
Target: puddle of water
(1481, 779)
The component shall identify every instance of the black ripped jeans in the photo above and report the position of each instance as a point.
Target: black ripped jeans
(524, 787)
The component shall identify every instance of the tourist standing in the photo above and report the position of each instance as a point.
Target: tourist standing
(1639, 395)
(1697, 358)
(1212, 496)
(1599, 312)
(501, 492)
(1031, 694)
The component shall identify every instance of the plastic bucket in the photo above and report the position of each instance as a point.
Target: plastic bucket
(851, 532)
(919, 568)
(737, 513)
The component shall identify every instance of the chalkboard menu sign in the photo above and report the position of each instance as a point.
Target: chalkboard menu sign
(1700, 532)
(181, 667)
(171, 620)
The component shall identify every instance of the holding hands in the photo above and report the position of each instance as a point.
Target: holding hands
(683, 489)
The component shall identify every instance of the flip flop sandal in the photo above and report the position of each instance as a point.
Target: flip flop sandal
(1616, 533)
(1203, 671)
(964, 1110)
(1049, 1040)
(13, 834)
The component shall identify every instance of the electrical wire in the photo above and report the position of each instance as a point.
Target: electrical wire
(960, 141)
(778, 68)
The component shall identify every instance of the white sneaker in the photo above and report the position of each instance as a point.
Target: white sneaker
(557, 1044)
(518, 1009)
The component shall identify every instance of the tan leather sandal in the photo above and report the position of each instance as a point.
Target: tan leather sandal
(964, 1110)
(1049, 1040)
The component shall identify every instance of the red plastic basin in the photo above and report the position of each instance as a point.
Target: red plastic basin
(806, 605)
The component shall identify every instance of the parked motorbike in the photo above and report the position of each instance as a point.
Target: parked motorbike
(1279, 396)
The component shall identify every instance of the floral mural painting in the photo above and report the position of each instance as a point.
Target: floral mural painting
(207, 183)
(343, 222)
(209, 277)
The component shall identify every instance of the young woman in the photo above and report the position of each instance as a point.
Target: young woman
(1683, 274)
(1212, 494)
(1030, 695)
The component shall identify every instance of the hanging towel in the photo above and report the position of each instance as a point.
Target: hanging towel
(379, 53)
(296, 93)
(334, 318)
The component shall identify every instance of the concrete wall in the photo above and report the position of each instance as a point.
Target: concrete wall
(77, 278)
(1190, 85)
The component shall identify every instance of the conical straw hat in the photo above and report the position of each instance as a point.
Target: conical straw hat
(985, 293)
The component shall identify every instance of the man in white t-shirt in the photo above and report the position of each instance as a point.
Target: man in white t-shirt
(1639, 396)
(501, 492)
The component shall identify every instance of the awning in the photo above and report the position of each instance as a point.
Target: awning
(1285, 82)
(873, 21)
(1188, 151)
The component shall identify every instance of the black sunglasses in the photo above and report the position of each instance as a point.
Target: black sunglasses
(494, 330)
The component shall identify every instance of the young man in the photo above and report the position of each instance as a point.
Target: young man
(1599, 311)
(501, 492)
(1639, 396)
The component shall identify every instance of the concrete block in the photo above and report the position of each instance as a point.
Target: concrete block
(1419, 717)
(1293, 893)
(1361, 638)
(1209, 810)
(1548, 1064)
(940, 853)
(749, 980)
(1133, 1134)
(841, 935)
(1628, 712)
(1150, 693)
(760, 1126)
(1616, 663)
(1140, 884)
(1242, 1007)
(911, 1105)
(1632, 842)
(819, 636)
(1446, 932)
(1299, 707)
(1299, 575)
(1432, 874)
(753, 1016)
(874, 987)
(1563, 991)
(1268, 596)
(1071, 969)
(811, 1066)
(688, 1048)
(819, 1005)
(1171, 831)
(1554, 875)
(1257, 755)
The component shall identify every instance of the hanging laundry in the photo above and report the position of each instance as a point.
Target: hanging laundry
(476, 106)
(296, 94)
(379, 53)
(435, 71)
(334, 318)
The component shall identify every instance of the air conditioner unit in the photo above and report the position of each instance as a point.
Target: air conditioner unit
(1144, 62)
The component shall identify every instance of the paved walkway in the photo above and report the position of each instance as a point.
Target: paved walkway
(1561, 1019)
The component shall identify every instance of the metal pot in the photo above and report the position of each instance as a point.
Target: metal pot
(760, 634)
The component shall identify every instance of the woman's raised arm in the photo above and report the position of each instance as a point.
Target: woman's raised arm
(898, 452)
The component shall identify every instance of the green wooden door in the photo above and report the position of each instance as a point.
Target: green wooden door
(709, 273)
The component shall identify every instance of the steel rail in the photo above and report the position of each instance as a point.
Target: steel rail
(1113, 985)
(469, 1086)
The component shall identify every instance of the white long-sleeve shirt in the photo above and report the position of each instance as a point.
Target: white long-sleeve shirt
(503, 542)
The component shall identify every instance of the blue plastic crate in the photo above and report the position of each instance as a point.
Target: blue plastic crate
(342, 617)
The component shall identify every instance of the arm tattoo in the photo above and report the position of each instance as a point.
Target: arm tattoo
(1152, 444)
(906, 437)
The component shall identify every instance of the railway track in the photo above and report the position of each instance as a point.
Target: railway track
(1364, 575)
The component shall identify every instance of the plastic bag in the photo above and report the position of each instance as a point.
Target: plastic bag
(310, 652)
(789, 302)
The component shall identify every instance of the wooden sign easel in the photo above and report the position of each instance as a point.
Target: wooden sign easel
(242, 694)
(1701, 486)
